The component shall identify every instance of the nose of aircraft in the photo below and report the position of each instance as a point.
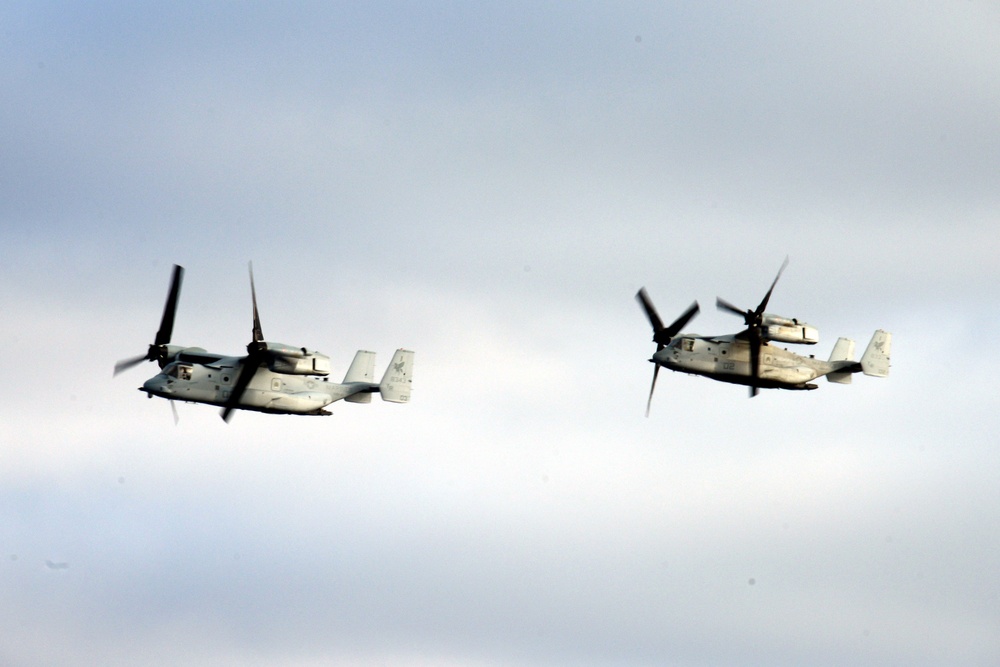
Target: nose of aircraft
(661, 356)
(156, 385)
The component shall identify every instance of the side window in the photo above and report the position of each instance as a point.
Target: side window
(688, 345)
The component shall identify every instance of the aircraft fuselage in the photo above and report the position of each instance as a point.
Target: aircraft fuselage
(727, 359)
(267, 392)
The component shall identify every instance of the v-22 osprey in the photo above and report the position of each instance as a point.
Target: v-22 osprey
(271, 377)
(748, 358)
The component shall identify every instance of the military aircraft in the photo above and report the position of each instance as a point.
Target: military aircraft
(748, 358)
(271, 377)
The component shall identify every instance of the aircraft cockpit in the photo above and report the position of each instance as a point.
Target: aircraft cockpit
(178, 371)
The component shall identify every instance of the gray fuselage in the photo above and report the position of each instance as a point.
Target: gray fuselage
(727, 359)
(267, 392)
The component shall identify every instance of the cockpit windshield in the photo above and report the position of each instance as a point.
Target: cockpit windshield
(178, 371)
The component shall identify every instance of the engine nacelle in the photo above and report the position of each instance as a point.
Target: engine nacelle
(787, 330)
(296, 360)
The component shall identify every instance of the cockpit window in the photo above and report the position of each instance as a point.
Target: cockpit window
(179, 371)
(688, 344)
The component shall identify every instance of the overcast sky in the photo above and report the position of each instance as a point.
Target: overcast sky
(489, 186)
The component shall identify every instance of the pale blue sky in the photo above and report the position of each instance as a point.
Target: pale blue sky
(490, 187)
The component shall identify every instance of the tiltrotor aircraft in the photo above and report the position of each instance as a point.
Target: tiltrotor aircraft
(271, 377)
(748, 357)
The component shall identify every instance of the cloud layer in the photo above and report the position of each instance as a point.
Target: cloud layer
(490, 187)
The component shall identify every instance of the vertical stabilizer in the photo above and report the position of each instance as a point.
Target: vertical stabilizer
(398, 378)
(842, 351)
(875, 360)
(362, 370)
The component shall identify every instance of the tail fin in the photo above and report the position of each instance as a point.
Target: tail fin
(842, 351)
(398, 378)
(875, 360)
(362, 370)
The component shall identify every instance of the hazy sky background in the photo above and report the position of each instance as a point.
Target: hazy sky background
(489, 186)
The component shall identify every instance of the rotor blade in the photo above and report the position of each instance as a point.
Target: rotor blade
(649, 401)
(250, 366)
(767, 297)
(258, 336)
(654, 319)
(170, 307)
(722, 304)
(173, 409)
(681, 321)
(125, 364)
(754, 361)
